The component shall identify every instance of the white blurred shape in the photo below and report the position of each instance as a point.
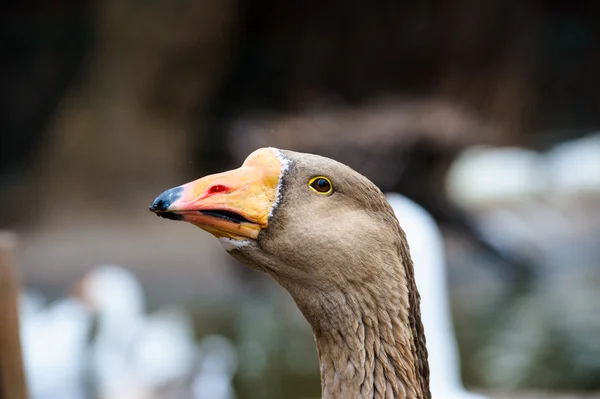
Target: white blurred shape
(487, 175)
(116, 297)
(166, 350)
(574, 166)
(217, 368)
(54, 341)
(135, 354)
(427, 252)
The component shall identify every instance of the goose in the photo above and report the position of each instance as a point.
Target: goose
(327, 235)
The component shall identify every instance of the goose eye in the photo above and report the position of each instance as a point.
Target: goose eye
(321, 185)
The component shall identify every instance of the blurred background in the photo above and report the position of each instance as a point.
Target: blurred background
(485, 113)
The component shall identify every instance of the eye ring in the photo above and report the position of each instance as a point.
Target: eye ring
(321, 185)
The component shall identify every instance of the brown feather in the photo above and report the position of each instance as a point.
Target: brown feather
(346, 262)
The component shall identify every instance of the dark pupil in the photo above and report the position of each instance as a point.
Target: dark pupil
(323, 184)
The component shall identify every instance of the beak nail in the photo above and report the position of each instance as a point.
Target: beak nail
(163, 202)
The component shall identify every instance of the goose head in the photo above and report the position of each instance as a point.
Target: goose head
(326, 234)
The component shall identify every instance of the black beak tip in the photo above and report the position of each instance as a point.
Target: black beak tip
(156, 206)
(163, 202)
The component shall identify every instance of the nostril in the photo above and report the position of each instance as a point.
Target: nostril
(218, 188)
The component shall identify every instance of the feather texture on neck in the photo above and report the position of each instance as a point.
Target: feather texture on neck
(369, 335)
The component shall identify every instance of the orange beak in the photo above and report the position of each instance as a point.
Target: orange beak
(234, 204)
